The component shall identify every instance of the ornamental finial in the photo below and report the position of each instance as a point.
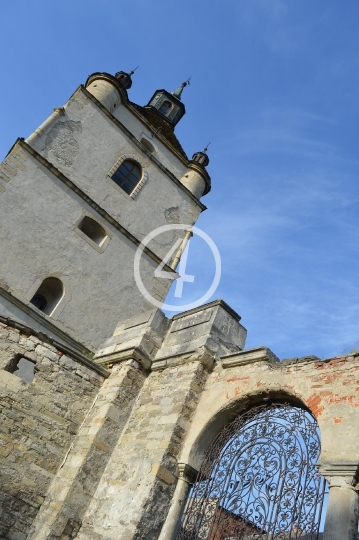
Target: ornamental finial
(206, 149)
(133, 71)
(177, 93)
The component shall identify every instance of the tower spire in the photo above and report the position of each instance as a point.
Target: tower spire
(177, 93)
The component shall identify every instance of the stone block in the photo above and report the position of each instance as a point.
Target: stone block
(41, 350)
(163, 473)
(213, 327)
(138, 338)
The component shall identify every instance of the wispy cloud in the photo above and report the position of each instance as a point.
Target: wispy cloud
(289, 237)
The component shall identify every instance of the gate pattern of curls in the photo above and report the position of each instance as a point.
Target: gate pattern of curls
(259, 479)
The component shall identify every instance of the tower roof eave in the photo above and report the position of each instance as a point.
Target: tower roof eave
(162, 126)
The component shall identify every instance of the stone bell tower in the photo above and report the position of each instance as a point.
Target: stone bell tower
(77, 198)
(108, 408)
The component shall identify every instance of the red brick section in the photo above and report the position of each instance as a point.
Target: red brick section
(238, 379)
(339, 375)
(324, 386)
(314, 403)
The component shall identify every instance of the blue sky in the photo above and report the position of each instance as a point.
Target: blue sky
(274, 87)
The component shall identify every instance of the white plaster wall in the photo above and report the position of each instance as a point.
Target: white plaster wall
(167, 158)
(37, 239)
(84, 144)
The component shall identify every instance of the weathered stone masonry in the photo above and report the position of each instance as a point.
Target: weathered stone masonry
(101, 438)
(75, 482)
(144, 463)
(101, 453)
(38, 421)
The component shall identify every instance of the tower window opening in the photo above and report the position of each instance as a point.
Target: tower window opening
(127, 176)
(39, 301)
(48, 295)
(166, 108)
(93, 230)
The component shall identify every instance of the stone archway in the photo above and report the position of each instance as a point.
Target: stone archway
(259, 477)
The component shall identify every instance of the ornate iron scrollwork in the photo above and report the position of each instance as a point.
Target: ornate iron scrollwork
(259, 479)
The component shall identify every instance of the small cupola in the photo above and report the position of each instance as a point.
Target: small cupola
(201, 157)
(125, 78)
(196, 178)
(168, 105)
(110, 90)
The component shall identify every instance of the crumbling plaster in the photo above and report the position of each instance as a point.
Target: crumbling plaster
(329, 389)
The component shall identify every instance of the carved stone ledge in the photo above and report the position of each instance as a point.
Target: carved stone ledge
(250, 356)
(341, 474)
(123, 356)
(204, 355)
(187, 473)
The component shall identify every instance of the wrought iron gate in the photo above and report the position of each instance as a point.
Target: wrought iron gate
(259, 479)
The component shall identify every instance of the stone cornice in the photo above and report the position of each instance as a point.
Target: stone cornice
(250, 356)
(132, 353)
(203, 307)
(340, 474)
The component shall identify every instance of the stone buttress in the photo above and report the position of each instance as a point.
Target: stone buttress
(120, 474)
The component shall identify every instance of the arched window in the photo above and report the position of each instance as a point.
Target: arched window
(166, 108)
(48, 295)
(93, 230)
(128, 175)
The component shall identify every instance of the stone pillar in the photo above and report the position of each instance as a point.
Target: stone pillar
(341, 522)
(75, 483)
(186, 478)
(137, 487)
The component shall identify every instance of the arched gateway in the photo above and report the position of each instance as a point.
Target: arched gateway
(259, 479)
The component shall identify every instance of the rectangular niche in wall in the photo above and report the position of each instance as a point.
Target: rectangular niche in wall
(22, 367)
(90, 230)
